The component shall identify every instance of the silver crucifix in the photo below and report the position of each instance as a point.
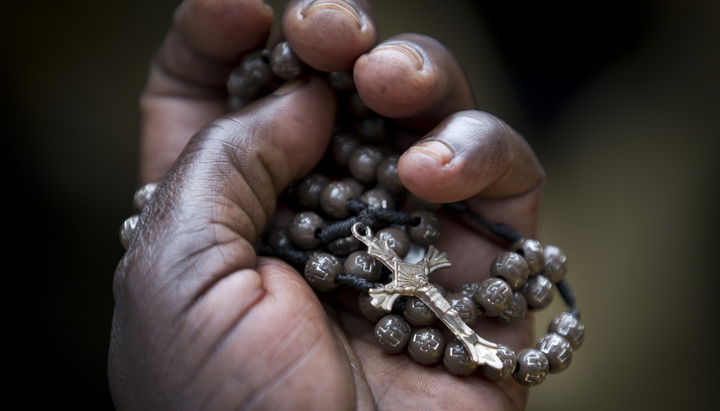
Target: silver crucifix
(412, 280)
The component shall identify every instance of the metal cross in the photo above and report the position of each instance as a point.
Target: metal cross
(412, 280)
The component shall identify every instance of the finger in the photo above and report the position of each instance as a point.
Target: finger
(186, 86)
(413, 78)
(330, 35)
(475, 154)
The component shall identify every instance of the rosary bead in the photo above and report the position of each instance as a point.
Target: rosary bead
(333, 198)
(321, 272)
(509, 361)
(284, 62)
(456, 359)
(418, 313)
(142, 196)
(362, 265)
(368, 310)
(494, 295)
(516, 311)
(557, 350)
(426, 346)
(387, 175)
(465, 307)
(344, 246)
(569, 328)
(533, 253)
(468, 289)
(440, 289)
(255, 70)
(371, 130)
(539, 292)
(357, 107)
(532, 368)
(341, 80)
(555, 263)
(512, 268)
(278, 238)
(127, 229)
(397, 239)
(424, 204)
(240, 88)
(343, 146)
(427, 231)
(377, 199)
(363, 162)
(309, 190)
(302, 230)
(392, 332)
(356, 186)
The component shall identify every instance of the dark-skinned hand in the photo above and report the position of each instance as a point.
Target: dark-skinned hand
(202, 322)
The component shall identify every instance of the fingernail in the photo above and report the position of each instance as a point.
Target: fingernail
(342, 6)
(435, 149)
(409, 50)
(289, 86)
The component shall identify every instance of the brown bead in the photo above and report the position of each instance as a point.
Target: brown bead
(255, 70)
(392, 333)
(343, 146)
(465, 307)
(368, 310)
(468, 289)
(362, 265)
(302, 230)
(387, 175)
(363, 162)
(494, 296)
(456, 359)
(440, 289)
(321, 271)
(555, 263)
(333, 198)
(512, 268)
(417, 313)
(341, 80)
(357, 107)
(398, 240)
(240, 88)
(377, 199)
(309, 190)
(356, 186)
(284, 62)
(516, 311)
(569, 328)
(427, 230)
(127, 229)
(424, 204)
(538, 291)
(142, 196)
(278, 238)
(371, 130)
(557, 351)
(509, 361)
(344, 246)
(533, 253)
(532, 368)
(426, 346)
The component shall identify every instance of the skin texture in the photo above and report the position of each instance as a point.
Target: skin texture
(200, 321)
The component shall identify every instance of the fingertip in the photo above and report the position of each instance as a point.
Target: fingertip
(428, 171)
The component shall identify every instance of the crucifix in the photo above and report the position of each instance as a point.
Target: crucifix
(413, 280)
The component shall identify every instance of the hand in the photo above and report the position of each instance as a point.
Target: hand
(201, 321)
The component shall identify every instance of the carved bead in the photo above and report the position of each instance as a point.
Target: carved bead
(426, 346)
(387, 175)
(512, 268)
(363, 162)
(557, 350)
(255, 70)
(344, 246)
(465, 307)
(538, 291)
(397, 239)
(392, 333)
(569, 328)
(362, 265)
(322, 270)
(355, 185)
(427, 231)
(532, 368)
(377, 200)
(533, 253)
(468, 289)
(417, 313)
(555, 263)
(278, 238)
(341, 80)
(509, 361)
(142, 196)
(516, 311)
(309, 190)
(127, 229)
(371, 130)
(333, 198)
(285, 63)
(456, 359)
(368, 310)
(494, 296)
(302, 229)
(343, 146)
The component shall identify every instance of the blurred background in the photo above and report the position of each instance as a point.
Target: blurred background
(620, 99)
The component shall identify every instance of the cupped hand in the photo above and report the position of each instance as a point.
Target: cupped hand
(202, 322)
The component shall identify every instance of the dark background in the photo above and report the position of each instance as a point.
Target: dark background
(620, 99)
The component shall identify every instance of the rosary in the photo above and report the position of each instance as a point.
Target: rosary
(392, 272)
